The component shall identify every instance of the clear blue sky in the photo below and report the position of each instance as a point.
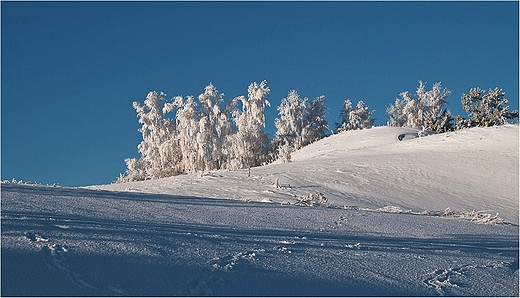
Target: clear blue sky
(71, 70)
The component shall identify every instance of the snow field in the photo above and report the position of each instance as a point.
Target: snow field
(103, 243)
(380, 231)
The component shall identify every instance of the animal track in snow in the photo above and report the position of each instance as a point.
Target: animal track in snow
(342, 220)
(444, 279)
(55, 257)
(35, 237)
(357, 245)
(227, 263)
(283, 249)
(203, 286)
(207, 285)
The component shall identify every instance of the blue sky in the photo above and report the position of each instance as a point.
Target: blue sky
(71, 70)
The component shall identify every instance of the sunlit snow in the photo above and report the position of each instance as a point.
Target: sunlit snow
(371, 212)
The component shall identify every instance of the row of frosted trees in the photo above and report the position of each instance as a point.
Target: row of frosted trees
(205, 134)
(201, 136)
(426, 109)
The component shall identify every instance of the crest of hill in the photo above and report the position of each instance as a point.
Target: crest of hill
(393, 139)
(372, 138)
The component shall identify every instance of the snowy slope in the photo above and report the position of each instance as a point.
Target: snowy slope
(466, 170)
(223, 233)
(70, 242)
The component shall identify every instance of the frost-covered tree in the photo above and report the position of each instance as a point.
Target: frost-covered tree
(359, 117)
(289, 124)
(315, 127)
(250, 144)
(159, 150)
(285, 149)
(395, 113)
(425, 109)
(213, 127)
(188, 127)
(485, 109)
(135, 171)
(344, 115)
(444, 122)
(231, 159)
(299, 123)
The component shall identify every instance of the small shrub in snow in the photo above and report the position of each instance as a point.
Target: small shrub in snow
(312, 199)
(479, 217)
(425, 133)
(393, 209)
(21, 182)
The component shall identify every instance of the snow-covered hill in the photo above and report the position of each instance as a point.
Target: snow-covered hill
(223, 233)
(466, 170)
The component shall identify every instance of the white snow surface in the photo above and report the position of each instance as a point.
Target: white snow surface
(222, 233)
(475, 169)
